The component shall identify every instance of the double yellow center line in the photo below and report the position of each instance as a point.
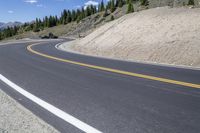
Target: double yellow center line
(29, 48)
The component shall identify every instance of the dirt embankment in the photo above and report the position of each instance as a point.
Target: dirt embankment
(162, 35)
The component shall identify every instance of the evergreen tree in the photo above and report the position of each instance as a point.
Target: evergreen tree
(78, 15)
(130, 8)
(31, 26)
(108, 6)
(92, 9)
(112, 18)
(120, 3)
(116, 3)
(95, 9)
(127, 2)
(69, 16)
(64, 17)
(51, 21)
(105, 13)
(82, 13)
(15, 30)
(41, 24)
(7, 32)
(102, 7)
(73, 15)
(191, 2)
(1, 37)
(56, 21)
(88, 11)
(144, 2)
(112, 6)
(36, 26)
(46, 21)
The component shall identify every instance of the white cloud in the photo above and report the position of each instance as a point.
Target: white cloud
(91, 2)
(31, 1)
(10, 11)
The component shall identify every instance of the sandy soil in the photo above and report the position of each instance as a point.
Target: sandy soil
(161, 35)
(14, 118)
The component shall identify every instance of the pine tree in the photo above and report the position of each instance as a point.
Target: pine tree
(105, 13)
(92, 9)
(78, 15)
(57, 20)
(82, 13)
(15, 30)
(144, 2)
(191, 2)
(54, 21)
(41, 24)
(45, 21)
(127, 2)
(36, 25)
(112, 18)
(50, 21)
(102, 7)
(88, 11)
(120, 3)
(1, 37)
(112, 6)
(116, 3)
(95, 9)
(130, 8)
(73, 15)
(64, 17)
(8, 32)
(69, 16)
(108, 6)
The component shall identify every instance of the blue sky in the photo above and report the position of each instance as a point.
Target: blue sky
(28, 10)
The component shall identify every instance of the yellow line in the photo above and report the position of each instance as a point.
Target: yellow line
(29, 48)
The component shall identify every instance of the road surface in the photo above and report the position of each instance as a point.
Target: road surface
(107, 101)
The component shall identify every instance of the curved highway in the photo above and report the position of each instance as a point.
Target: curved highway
(134, 98)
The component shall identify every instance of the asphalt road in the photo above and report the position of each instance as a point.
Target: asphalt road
(109, 102)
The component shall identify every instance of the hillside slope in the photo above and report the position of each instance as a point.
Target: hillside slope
(74, 29)
(163, 35)
(90, 23)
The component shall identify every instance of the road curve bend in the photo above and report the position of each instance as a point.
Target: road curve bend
(108, 95)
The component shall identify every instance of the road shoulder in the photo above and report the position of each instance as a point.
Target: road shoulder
(16, 118)
(68, 47)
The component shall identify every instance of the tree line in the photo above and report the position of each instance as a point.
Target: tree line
(68, 16)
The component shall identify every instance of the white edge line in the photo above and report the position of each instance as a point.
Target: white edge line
(59, 113)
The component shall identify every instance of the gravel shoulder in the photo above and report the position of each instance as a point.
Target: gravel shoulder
(14, 118)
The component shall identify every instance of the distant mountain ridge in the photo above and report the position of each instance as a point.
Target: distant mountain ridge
(1, 23)
(9, 24)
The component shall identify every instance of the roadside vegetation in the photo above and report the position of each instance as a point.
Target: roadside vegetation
(75, 21)
(66, 17)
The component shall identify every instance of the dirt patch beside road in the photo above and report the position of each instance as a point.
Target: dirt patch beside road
(14, 118)
(160, 35)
